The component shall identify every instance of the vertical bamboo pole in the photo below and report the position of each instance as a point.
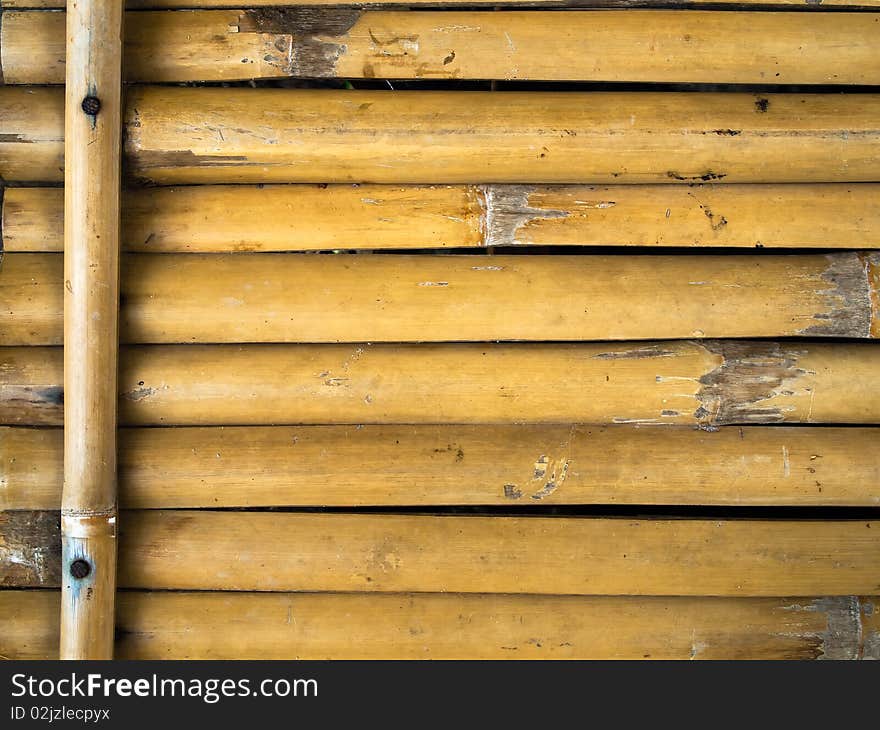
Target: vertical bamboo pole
(91, 303)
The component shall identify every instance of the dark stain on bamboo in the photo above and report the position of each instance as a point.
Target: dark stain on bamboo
(30, 549)
(750, 376)
(310, 40)
(844, 637)
(638, 353)
(32, 405)
(849, 299)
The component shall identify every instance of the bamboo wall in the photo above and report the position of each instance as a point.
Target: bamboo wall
(527, 332)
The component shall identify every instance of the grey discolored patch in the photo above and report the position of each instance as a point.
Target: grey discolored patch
(32, 405)
(511, 491)
(849, 299)
(507, 210)
(750, 375)
(843, 634)
(30, 549)
(635, 354)
(138, 393)
(14, 138)
(309, 39)
(842, 637)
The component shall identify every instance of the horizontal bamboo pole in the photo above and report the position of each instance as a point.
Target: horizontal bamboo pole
(31, 134)
(621, 45)
(457, 626)
(265, 551)
(261, 297)
(179, 135)
(461, 465)
(706, 383)
(213, 135)
(222, 218)
(756, 4)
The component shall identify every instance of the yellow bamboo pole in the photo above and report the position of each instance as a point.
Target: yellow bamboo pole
(617, 45)
(212, 135)
(209, 298)
(278, 551)
(224, 218)
(757, 4)
(177, 135)
(704, 383)
(91, 300)
(457, 626)
(514, 466)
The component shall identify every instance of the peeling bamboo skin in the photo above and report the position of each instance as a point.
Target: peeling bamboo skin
(462, 626)
(628, 45)
(177, 135)
(211, 550)
(31, 134)
(225, 218)
(293, 298)
(688, 383)
(351, 466)
(204, 135)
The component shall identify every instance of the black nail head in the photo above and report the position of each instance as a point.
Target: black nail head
(91, 105)
(80, 568)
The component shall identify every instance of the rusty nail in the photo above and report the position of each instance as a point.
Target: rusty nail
(91, 105)
(80, 568)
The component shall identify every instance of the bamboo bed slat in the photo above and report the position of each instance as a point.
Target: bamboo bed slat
(351, 466)
(624, 45)
(693, 383)
(456, 626)
(264, 551)
(92, 150)
(214, 135)
(224, 218)
(168, 298)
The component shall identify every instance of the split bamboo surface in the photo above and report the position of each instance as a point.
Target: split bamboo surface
(92, 151)
(514, 466)
(457, 626)
(264, 297)
(217, 135)
(226, 218)
(703, 383)
(265, 551)
(616, 45)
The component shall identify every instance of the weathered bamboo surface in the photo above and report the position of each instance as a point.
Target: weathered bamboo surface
(31, 134)
(757, 4)
(622, 45)
(352, 466)
(244, 551)
(703, 383)
(90, 289)
(263, 297)
(457, 626)
(214, 135)
(224, 218)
